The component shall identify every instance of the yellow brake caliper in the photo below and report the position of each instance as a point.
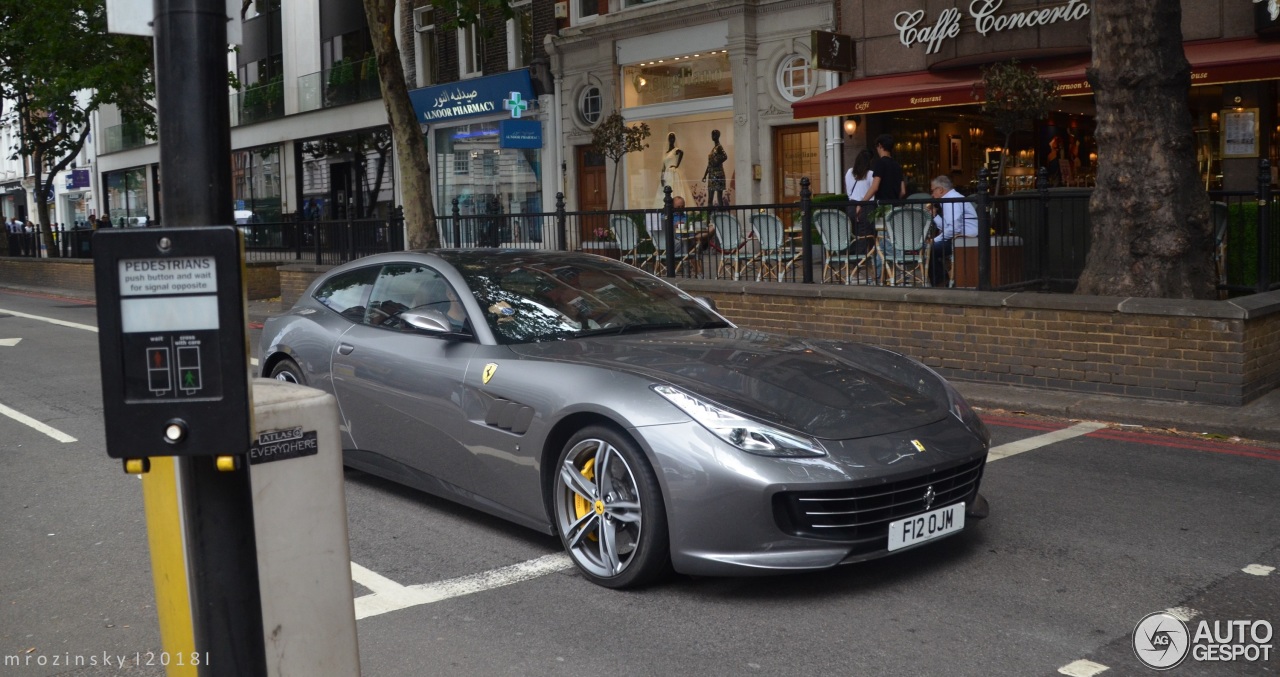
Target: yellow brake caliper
(582, 506)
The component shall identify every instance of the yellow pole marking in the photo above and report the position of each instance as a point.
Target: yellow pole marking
(169, 564)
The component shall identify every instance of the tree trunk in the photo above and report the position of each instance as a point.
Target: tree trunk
(415, 165)
(43, 187)
(1150, 214)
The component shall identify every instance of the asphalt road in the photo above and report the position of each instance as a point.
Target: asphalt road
(1088, 534)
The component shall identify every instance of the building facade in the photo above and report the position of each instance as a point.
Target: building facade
(712, 80)
(917, 63)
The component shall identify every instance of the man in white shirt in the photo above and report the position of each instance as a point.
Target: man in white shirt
(952, 219)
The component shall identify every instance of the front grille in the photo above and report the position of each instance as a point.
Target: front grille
(863, 515)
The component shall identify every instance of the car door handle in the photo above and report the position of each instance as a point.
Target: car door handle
(345, 348)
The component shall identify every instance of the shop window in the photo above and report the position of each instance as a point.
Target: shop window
(255, 183)
(683, 77)
(501, 180)
(795, 78)
(589, 105)
(520, 34)
(470, 54)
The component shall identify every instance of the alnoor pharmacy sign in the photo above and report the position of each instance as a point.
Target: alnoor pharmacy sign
(914, 30)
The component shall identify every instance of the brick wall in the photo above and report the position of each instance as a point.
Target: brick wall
(1214, 352)
(72, 274)
(262, 280)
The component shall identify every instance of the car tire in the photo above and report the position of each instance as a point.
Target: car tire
(612, 524)
(288, 371)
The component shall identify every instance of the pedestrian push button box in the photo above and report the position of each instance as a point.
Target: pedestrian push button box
(171, 333)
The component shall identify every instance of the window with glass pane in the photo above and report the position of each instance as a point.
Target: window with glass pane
(520, 35)
(589, 105)
(794, 77)
(588, 8)
(469, 51)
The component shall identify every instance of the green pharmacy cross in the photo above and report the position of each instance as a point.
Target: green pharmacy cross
(515, 104)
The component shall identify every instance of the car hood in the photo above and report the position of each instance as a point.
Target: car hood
(825, 389)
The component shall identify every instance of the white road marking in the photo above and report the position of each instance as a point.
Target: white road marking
(9, 343)
(1258, 569)
(1082, 668)
(38, 426)
(1014, 448)
(50, 320)
(63, 323)
(391, 596)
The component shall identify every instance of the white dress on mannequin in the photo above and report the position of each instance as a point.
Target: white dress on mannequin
(671, 176)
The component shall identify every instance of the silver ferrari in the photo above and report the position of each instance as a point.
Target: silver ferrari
(583, 397)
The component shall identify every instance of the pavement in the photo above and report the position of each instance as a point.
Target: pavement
(1258, 420)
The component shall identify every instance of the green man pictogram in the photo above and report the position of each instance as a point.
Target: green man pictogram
(189, 379)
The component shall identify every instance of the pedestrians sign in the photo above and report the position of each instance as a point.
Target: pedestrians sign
(171, 319)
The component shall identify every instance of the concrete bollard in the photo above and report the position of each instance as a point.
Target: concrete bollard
(300, 514)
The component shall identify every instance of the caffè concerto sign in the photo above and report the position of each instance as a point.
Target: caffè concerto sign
(913, 30)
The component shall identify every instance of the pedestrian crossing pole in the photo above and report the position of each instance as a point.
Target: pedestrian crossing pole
(216, 495)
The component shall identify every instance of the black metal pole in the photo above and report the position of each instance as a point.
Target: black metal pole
(195, 152)
(806, 231)
(562, 231)
(984, 233)
(669, 232)
(1264, 226)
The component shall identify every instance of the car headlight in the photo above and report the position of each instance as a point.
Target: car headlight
(746, 434)
(961, 410)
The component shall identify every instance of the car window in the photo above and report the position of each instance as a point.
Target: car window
(404, 286)
(524, 301)
(345, 294)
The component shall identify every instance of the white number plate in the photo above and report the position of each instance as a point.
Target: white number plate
(927, 526)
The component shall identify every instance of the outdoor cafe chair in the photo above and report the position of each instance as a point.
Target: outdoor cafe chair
(733, 244)
(776, 254)
(633, 248)
(906, 251)
(839, 260)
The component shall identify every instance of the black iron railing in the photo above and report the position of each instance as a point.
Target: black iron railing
(1034, 239)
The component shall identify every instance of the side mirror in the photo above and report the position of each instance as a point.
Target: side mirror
(431, 321)
(706, 302)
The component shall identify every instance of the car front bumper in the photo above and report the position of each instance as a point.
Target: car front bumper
(733, 513)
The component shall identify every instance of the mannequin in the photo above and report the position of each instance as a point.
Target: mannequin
(671, 175)
(714, 176)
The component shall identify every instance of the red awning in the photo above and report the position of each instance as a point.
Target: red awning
(1212, 63)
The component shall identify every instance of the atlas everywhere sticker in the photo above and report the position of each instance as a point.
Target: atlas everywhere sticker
(489, 370)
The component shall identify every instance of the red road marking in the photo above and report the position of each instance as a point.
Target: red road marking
(1191, 443)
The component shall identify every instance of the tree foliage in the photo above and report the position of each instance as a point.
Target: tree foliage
(1011, 95)
(613, 138)
(57, 66)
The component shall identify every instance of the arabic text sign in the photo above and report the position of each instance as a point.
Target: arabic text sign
(468, 98)
(520, 134)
